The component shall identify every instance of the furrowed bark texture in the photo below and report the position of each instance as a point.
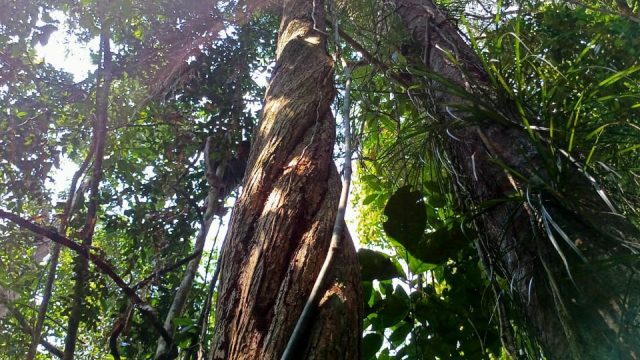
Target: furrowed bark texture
(589, 317)
(282, 224)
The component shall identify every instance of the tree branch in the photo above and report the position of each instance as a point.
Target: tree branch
(165, 270)
(372, 59)
(87, 232)
(113, 338)
(622, 11)
(104, 267)
(24, 324)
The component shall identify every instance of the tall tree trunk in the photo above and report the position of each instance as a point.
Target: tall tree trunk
(183, 290)
(282, 224)
(55, 255)
(100, 134)
(580, 321)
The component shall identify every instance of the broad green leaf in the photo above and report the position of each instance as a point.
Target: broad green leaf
(370, 198)
(406, 216)
(406, 222)
(394, 308)
(370, 345)
(418, 266)
(437, 200)
(182, 321)
(440, 245)
(375, 265)
(399, 335)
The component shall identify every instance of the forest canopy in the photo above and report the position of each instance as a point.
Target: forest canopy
(149, 206)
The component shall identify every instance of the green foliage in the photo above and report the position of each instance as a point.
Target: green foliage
(573, 90)
(153, 189)
(406, 222)
(574, 93)
(441, 317)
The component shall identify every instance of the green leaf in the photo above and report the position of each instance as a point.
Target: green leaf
(399, 335)
(370, 198)
(371, 343)
(437, 200)
(418, 266)
(630, 148)
(440, 245)
(367, 289)
(138, 33)
(375, 265)
(184, 344)
(406, 216)
(619, 75)
(369, 178)
(423, 309)
(406, 222)
(394, 308)
(386, 287)
(384, 355)
(182, 321)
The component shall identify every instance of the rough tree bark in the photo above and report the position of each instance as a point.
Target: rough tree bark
(281, 226)
(589, 316)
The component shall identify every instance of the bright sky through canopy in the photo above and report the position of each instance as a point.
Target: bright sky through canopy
(65, 51)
